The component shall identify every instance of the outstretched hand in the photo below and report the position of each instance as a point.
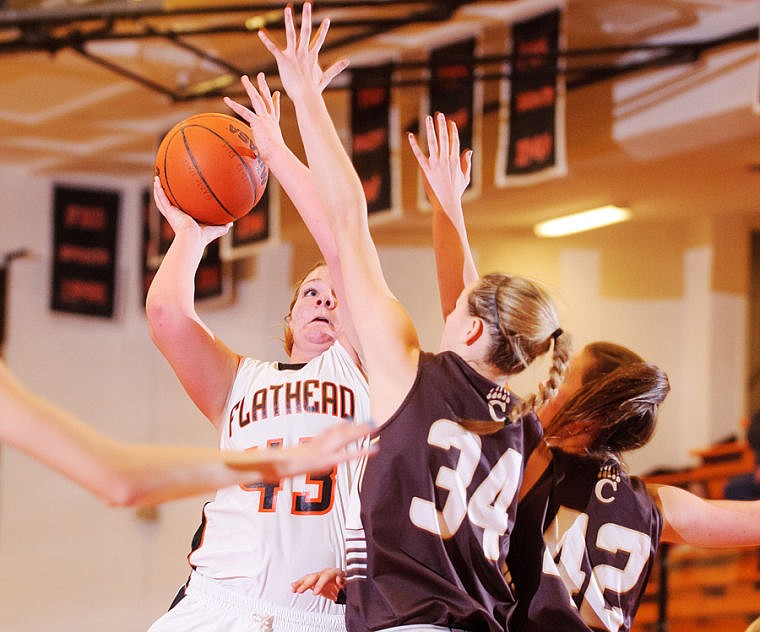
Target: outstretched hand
(337, 444)
(298, 62)
(264, 118)
(181, 221)
(446, 172)
(327, 582)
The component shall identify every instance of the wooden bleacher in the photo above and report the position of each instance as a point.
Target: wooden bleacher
(717, 465)
(706, 590)
(703, 589)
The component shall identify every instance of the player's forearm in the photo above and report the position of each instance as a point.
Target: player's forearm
(456, 237)
(297, 182)
(338, 185)
(689, 519)
(62, 442)
(151, 474)
(454, 263)
(147, 475)
(119, 473)
(171, 296)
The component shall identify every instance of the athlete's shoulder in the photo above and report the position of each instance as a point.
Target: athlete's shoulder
(249, 365)
(448, 365)
(339, 350)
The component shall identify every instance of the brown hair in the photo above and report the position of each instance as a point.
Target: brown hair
(523, 324)
(617, 405)
(287, 332)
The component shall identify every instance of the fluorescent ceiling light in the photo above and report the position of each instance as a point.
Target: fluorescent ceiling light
(578, 222)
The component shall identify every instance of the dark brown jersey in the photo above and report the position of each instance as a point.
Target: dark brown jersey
(583, 548)
(437, 504)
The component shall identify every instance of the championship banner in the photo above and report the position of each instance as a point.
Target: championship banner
(211, 281)
(532, 112)
(371, 135)
(451, 86)
(454, 91)
(259, 228)
(84, 250)
(148, 246)
(210, 277)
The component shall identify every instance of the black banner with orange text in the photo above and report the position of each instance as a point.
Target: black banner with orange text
(84, 250)
(370, 134)
(534, 129)
(452, 87)
(158, 236)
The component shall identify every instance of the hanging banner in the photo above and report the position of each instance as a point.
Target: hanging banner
(148, 248)
(371, 135)
(256, 230)
(211, 279)
(532, 115)
(453, 89)
(84, 250)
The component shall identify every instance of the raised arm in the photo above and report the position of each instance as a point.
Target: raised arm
(689, 519)
(445, 175)
(127, 474)
(388, 338)
(205, 366)
(295, 179)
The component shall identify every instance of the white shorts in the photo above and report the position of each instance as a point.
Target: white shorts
(207, 607)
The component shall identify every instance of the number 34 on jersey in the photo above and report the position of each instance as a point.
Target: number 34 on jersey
(487, 507)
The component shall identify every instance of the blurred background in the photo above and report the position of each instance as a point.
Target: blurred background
(649, 105)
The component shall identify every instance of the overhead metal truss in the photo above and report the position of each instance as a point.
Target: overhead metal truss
(74, 28)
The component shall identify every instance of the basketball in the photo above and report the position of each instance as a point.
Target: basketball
(210, 168)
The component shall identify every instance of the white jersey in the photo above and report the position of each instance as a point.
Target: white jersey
(257, 539)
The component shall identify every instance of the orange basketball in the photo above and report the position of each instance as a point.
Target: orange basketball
(210, 168)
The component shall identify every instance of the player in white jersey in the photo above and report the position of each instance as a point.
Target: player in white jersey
(254, 541)
(298, 522)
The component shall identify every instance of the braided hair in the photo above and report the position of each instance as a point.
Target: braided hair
(523, 324)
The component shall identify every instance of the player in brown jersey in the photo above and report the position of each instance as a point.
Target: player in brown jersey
(586, 532)
(431, 529)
